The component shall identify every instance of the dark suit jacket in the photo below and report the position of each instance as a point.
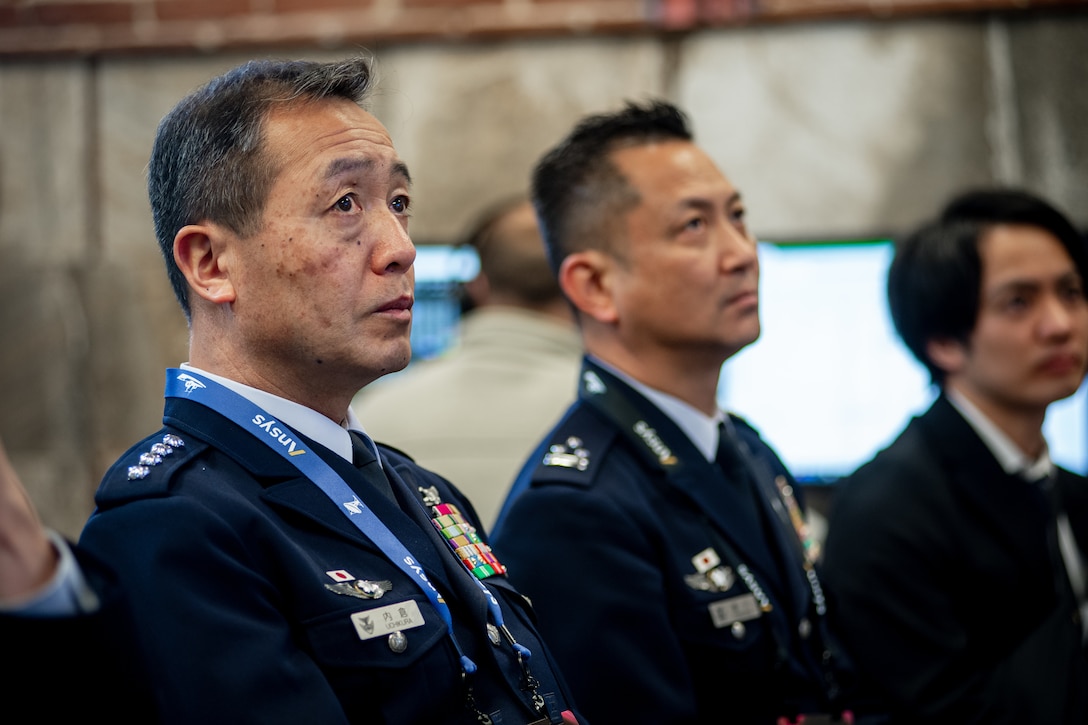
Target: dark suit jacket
(225, 551)
(938, 576)
(605, 550)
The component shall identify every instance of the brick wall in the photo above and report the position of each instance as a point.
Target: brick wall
(92, 27)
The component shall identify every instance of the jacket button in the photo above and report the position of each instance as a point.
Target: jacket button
(398, 642)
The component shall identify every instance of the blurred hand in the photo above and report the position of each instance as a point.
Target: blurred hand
(27, 558)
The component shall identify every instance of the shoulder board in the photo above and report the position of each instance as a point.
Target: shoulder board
(146, 469)
(574, 450)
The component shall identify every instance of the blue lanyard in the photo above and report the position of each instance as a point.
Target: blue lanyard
(240, 410)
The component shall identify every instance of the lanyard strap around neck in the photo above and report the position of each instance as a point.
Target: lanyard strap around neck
(254, 419)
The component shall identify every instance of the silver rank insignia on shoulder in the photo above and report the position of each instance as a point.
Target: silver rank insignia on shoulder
(154, 456)
(362, 588)
(569, 454)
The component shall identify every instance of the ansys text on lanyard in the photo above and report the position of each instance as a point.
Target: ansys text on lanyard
(193, 386)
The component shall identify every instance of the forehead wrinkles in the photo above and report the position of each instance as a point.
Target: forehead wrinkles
(300, 132)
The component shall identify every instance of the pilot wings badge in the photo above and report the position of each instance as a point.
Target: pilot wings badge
(361, 588)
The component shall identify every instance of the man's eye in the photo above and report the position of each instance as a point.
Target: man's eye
(1073, 292)
(1016, 304)
(346, 203)
(400, 204)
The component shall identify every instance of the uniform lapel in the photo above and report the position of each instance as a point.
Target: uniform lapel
(706, 485)
(284, 487)
(686, 470)
(455, 574)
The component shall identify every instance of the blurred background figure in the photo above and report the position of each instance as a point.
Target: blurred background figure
(512, 373)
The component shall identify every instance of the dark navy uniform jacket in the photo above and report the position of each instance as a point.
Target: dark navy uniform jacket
(613, 529)
(224, 550)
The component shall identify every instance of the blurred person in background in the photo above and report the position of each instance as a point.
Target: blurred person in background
(476, 412)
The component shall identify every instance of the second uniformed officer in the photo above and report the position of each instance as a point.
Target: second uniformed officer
(655, 534)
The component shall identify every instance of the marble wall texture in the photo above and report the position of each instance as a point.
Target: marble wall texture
(831, 129)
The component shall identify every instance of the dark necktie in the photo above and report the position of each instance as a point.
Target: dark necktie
(741, 477)
(1047, 490)
(465, 589)
(363, 458)
(404, 498)
(745, 473)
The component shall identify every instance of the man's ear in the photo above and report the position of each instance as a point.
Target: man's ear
(947, 353)
(586, 278)
(201, 252)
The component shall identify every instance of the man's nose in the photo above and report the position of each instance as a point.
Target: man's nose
(740, 248)
(396, 251)
(1059, 315)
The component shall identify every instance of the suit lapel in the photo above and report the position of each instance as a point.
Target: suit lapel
(1074, 496)
(1003, 503)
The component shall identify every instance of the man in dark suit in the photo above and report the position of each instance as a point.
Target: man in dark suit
(654, 533)
(281, 567)
(954, 562)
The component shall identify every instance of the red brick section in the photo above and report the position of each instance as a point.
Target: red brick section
(168, 11)
(295, 6)
(77, 13)
(97, 27)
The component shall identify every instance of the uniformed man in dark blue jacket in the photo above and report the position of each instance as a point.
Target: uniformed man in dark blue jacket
(662, 541)
(280, 566)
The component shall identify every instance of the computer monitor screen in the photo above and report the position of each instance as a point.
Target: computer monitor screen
(829, 383)
(440, 270)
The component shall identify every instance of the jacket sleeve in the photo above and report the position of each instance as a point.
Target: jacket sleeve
(220, 646)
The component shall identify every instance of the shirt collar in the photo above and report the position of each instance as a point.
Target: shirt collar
(1007, 453)
(700, 428)
(306, 421)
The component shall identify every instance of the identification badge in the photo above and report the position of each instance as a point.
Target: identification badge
(725, 612)
(386, 620)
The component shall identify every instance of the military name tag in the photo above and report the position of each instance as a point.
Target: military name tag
(385, 620)
(735, 609)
